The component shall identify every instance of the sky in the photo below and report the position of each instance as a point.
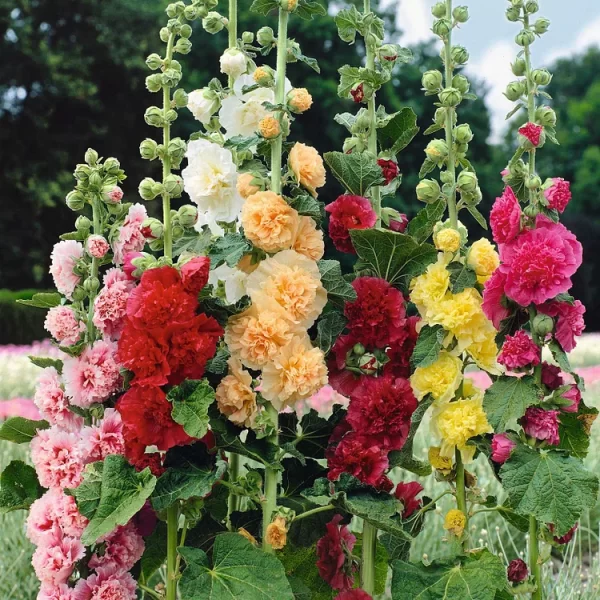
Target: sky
(489, 37)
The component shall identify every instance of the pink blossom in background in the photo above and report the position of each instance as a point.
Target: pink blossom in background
(19, 407)
(64, 258)
(53, 561)
(124, 547)
(519, 350)
(541, 424)
(63, 325)
(97, 246)
(130, 238)
(52, 401)
(502, 447)
(107, 584)
(105, 438)
(558, 194)
(325, 399)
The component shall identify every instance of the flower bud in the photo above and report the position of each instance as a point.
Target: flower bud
(175, 9)
(112, 195)
(265, 36)
(467, 181)
(248, 37)
(541, 25)
(95, 181)
(447, 239)
(513, 14)
(82, 223)
(97, 246)
(542, 325)
(541, 76)
(289, 5)
(432, 81)
(91, 157)
(368, 364)
(515, 89)
(525, 37)
(176, 150)
(177, 232)
(461, 14)
(233, 62)
(442, 27)
(533, 183)
(531, 7)
(459, 55)
(461, 83)
(154, 61)
(519, 67)
(437, 151)
(353, 144)
(190, 13)
(183, 45)
(153, 229)
(173, 185)
(462, 149)
(154, 83)
(188, 215)
(447, 177)
(91, 285)
(463, 133)
(264, 76)
(439, 10)
(180, 98)
(428, 191)
(171, 116)
(545, 116)
(440, 117)
(171, 77)
(75, 200)
(164, 34)
(388, 52)
(450, 97)
(149, 189)
(531, 211)
(299, 100)
(293, 49)
(186, 31)
(148, 149)
(202, 11)
(213, 22)
(154, 116)
(82, 173)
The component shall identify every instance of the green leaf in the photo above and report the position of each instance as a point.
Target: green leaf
(123, 492)
(191, 400)
(477, 577)
(356, 172)
(550, 485)
(241, 143)
(217, 365)
(301, 565)
(229, 249)
(461, 277)
(306, 205)
(426, 168)
(194, 242)
(88, 493)
(306, 9)
(19, 487)
(433, 129)
(349, 22)
(333, 281)
(560, 356)
(19, 430)
(507, 400)
(239, 570)
(349, 77)
(155, 552)
(421, 226)
(329, 327)
(395, 257)
(45, 362)
(264, 7)
(399, 132)
(477, 216)
(428, 346)
(43, 300)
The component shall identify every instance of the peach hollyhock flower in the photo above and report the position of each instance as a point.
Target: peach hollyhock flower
(308, 240)
(293, 281)
(269, 128)
(276, 534)
(299, 100)
(455, 522)
(295, 374)
(244, 185)
(307, 166)
(235, 397)
(256, 335)
(246, 534)
(269, 221)
(247, 265)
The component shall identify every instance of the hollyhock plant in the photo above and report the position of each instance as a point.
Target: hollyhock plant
(110, 305)
(494, 302)
(519, 351)
(551, 376)
(505, 217)
(407, 493)
(347, 213)
(558, 194)
(334, 555)
(122, 549)
(502, 447)
(541, 424)
(63, 325)
(106, 437)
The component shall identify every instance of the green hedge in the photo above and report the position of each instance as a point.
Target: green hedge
(20, 324)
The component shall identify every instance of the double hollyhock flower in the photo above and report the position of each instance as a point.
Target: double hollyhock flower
(502, 447)
(334, 555)
(558, 194)
(63, 325)
(519, 350)
(389, 168)
(517, 571)
(532, 132)
(347, 213)
(541, 424)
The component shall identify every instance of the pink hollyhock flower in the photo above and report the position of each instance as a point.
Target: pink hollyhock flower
(52, 402)
(55, 592)
(564, 539)
(389, 169)
(123, 548)
(532, 132)
(354, 595)
(325, 399)
(505, 217)
(114, 196)
(130, 238)
(93, 376)
(106, 584)
(106, 437)
(58, 458)
(381, 409)
(574, 395)
(517, 571)
(97, 246)
(53, 561)
(551, 376)
(128, 267)
(347, 213)
(493, 299)
(194, 274)
(399, 224)
(334, 555)
(540, 262)
(502, 447)
(541, 424)
(64, 258)
(569, 324)
(558, 194)
(63, 325)
(407, 493)
(519, 350)
(110, 306)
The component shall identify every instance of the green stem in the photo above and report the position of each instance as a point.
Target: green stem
(172, 527)
(530, 104)
(314, 511)
(149, 591)
(184, 531)
(97, 229)
(269, 504)
(367, 565)
(535, 567)
(232, 29)
(168, 235)
(234, 473)
(461, 493)
(452, 211)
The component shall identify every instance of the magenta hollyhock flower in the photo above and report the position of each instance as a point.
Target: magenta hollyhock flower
(519, 350)
(493, 299)
(334, 552)
(532, 132)
(502, 447)
(354, 595)
(541, 424)
(64, 257)
(128, 267)
(505, 217)
(399, 224)
(574, 395)
(558, 194)
(63, 325)
(407, 493)
(517, 571)
(569, 324)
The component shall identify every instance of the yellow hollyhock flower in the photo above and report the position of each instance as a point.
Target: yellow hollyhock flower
(455, 522)
(483, 259)
(440, 379)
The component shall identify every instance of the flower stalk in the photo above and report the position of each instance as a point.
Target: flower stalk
(535, 567)
(461, 494)
(172, 528)
(97, 229)
(166, 160)
(367, 566)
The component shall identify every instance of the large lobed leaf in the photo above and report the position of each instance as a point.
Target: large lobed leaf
(399, 131)
(20, 430)
(356, 172)
(191, 401)
(507, 400)
(19, 487)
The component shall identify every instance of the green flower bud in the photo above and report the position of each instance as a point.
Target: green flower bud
(173, 185)
(440, 117)
(154, 116)
(467, 182)
(293, 49)
(519, 67)
(542, 325)
(516, 3)
(525, 37)
(175, 9)
(461, 14)
(75, 200)
(171, 116)
(176, 149)
(461, 83)
(545, 116)
(91, 157)
(188, 215)
(154, 82)
(174, 26)
(82, 173)
(531, 7)
(202, 11)
(428, 190)
(156, 245)
(148, 149)
(432, 81)
(178, 232)
(213, 22)
(112, 166)
(462, 149)
(513, 14)
(459, 55)
(265, 36)
(358, 349)
(149, 189)
(170, 78)
(156, 228)
(164, 34)
(95, 181)
(190, 13)
(264, 76)
(447, 177)
(248, 37)
(353, 144)
(186, 31)
(439, 10)
(463, 134)
(91, 285)
(515, 89)
(541, 25)
(437, 151)
(154, 61)
(472, 198)
(180, 98)
(183, 45)
(82, 223)
(533, 183)
(442, 27)
(531, 211)
(388, 52)
(541, 76)
(450, 97)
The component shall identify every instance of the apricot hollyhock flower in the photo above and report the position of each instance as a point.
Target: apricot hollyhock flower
(440, 379)
(276, 534)
(307, 166)
(235, 397)
(299, 100)
(308, 240)
(244, 185)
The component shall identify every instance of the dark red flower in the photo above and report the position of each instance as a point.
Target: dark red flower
(341, 379)
(358, 93)
(389, 168)
(346, 213)
(334, 555)
(517, 571)
(400, 224)
(359, 456)
(353, 595)
(381, 409)
(146, 414)
(564, 539)
(551, 376)
(152, 460)
(401, 350)
(194, 274)
(377, 317)
(145, 520)
(407, 493)
(532, 132)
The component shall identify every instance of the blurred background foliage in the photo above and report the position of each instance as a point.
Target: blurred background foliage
(72, 76)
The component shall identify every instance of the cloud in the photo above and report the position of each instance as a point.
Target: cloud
(415, 20)
(588, 36)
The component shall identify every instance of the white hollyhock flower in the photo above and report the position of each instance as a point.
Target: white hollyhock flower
(210, 179)
(233, 280)
(233, 62)
(203, 104)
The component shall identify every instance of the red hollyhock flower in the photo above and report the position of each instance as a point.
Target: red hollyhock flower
(160, 299)
(145, 520)
(194, 274)
(334, 552)
(564, 539)
(377, 316)
(353, 595)
(359, 456)
(517, 571)
(400, 224)
(381, 409)
(340, 379)
(407, 493)
(358, 93)
(401, 350)
(389, 168)
(570, 323)
(532, 132)
(346, 213)
(146, 413)
(551, 376)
